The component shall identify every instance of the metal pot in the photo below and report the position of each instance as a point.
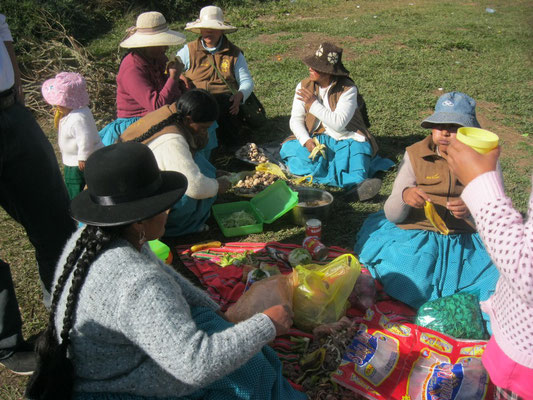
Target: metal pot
(302, 212)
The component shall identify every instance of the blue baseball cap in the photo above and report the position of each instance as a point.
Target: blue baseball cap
(453, 108)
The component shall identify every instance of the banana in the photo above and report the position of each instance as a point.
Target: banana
(203, 246)
(434, 218)
(319, 148)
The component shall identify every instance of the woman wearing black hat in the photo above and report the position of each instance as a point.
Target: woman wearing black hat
(123, 325)
(329, 114)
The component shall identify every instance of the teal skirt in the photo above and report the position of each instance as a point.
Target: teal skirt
(347, 162)
(112, 131)
(416, 266)
(189, 215)
(259, 379)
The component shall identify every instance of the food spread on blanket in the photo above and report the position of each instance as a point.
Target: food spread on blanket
(375, 352)
(252, 153)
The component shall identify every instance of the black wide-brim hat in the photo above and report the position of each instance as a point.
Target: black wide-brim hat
(327, 59)
(125, 185)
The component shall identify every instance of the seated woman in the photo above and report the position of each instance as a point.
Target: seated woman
(328, 109)
(123, 325)
(215, 64)
(177, 134)
(144, 83)
(401, 248)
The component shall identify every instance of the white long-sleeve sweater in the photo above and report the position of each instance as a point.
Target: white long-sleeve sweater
(77, 136)
(172, 153)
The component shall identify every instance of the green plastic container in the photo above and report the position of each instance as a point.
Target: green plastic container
(266, 207)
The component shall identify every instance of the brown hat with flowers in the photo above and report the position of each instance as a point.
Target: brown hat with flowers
(327, 59)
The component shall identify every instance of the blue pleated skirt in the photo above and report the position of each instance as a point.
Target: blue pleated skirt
(416, 266)
(348, 162)
(259, 379)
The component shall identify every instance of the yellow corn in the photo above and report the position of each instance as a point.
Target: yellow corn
(434, 218)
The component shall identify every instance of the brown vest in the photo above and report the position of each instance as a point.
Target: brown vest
(356, 124)
(142, 125)
(434, 177)
(201, 71)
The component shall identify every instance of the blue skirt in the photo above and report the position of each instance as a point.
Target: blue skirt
(259, 379)
(189, 215)
(112, 131)
(348, 162)
(212, 143)
(416, 266)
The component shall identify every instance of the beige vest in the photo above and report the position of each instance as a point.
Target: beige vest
(338, 87)
(434, 177)
(202, 72)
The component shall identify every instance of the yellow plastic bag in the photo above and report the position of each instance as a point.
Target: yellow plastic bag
(321, 293)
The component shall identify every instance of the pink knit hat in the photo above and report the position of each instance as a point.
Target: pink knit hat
(67, 89)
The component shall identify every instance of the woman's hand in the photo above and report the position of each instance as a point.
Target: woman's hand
(310, 145)
(458, 208)
(236, 100)
(415, 197)
(81, 165)
(223, 184)
(281, 316)
(306, 96)
(467, 164)
(175, 68)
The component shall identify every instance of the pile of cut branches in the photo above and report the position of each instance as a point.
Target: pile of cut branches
(40, 61)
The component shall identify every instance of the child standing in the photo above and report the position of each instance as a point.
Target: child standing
(77, 134)
(401, 248)
(509, 240)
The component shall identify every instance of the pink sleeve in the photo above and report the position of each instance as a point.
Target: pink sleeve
(135, 81)
(507, 237)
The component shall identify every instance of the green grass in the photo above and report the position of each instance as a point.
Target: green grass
(400, 56)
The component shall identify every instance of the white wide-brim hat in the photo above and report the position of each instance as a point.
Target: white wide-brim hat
(152, 30)
(211, 17)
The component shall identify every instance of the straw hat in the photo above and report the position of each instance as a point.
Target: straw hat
(211, 17)
(67, 89)
(125, 185)
(327, 59)
(152, 30)
(453, 108)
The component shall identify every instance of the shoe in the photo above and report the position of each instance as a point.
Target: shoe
(21, 362)
(365, 190)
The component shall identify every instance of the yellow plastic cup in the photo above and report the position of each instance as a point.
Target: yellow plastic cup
(480, 140)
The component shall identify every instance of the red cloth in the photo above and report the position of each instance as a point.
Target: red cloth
(143, 87)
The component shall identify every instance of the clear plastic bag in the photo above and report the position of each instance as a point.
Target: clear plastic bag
(457, 315)
(322, 291)
(263, 294)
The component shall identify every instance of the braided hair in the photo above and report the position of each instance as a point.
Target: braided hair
(54, 376)
(198, 104)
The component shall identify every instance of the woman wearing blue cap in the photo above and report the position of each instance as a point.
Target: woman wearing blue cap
(411, 257)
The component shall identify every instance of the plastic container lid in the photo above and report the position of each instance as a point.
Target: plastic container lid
(480, 140)
(267, 206)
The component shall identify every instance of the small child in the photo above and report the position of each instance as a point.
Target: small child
(77, 134)
(401, 248)
(508, 238)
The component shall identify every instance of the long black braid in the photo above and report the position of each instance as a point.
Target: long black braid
(174, 119)
(54, 376)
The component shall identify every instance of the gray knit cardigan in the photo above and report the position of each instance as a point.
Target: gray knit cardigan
(134, 333)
